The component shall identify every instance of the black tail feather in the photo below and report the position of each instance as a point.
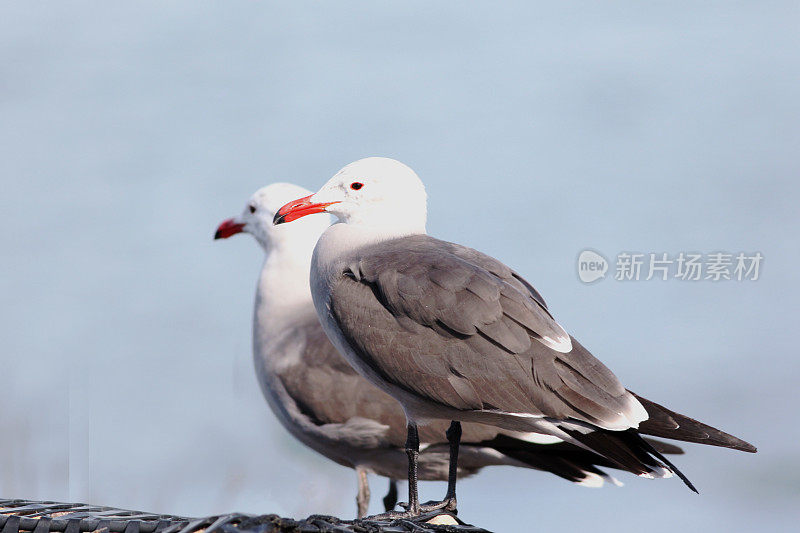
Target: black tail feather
(622, 448)
(563, 459)
(628, 450)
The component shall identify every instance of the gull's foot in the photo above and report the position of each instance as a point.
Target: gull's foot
(448, 504)
(395, 515)
(425, 515)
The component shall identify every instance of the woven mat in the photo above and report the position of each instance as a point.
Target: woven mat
(23, 516)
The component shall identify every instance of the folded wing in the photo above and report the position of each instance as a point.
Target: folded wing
(456, 327)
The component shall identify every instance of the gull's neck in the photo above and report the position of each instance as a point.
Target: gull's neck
(340, 244)
(342, 238)
(283, 292)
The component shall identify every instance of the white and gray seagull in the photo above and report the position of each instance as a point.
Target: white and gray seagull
(455, 335)
(325, 404)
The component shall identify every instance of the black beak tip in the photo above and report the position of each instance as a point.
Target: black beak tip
(217, 235)
(278, 219)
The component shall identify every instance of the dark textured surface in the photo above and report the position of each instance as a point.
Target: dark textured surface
(17, 516)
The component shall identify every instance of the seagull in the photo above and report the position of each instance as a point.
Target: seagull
(328, 406)
(455, 335)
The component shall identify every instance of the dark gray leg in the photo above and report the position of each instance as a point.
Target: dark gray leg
(412, 507)
(449, 502)
(412, 451)
(390, 500)
(362, 499)
(454, 438)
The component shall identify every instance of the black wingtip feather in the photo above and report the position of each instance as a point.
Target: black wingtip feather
(649, 447)
(563, 459)
(671, 425)
(628, 450)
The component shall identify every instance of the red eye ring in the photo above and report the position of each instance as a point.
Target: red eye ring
(356, 185)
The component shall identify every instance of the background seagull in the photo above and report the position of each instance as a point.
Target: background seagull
(329, 407)
(456, 335)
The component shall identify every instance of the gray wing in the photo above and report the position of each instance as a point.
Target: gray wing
(459, 328)
(327, 390)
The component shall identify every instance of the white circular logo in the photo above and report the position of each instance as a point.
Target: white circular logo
(591, 266)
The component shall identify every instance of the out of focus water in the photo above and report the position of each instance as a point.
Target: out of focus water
(128, 132)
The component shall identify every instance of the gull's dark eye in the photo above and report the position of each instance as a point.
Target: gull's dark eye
(356, 185)
(252, 208)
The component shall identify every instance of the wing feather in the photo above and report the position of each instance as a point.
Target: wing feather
(457, 327)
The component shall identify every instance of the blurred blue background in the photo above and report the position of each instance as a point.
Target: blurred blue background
(128, 132)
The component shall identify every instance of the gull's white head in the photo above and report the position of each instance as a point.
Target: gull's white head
(256, 219)
(375, 192)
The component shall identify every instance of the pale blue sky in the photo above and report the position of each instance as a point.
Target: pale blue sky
(128, 132)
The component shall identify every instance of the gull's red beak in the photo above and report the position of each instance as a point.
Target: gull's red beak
(228, 228)
(299, 208)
